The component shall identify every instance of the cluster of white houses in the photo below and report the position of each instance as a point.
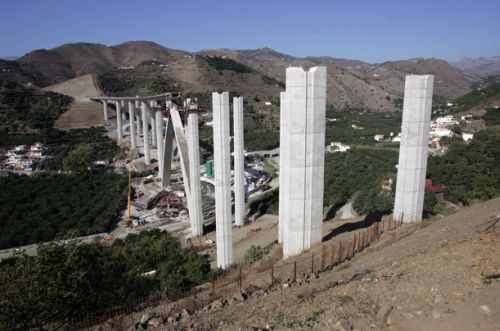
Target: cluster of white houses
(156, 122)
(23, 157)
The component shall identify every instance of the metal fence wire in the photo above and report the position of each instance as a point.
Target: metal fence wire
(240, 280)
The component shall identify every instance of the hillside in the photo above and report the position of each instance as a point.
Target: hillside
(352, 84)
(424, 276)
(481, 66)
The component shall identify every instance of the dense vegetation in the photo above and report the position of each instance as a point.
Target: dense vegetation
(492, 116)
(94, 141)
(146, 79)
(476, 97)
(24, 109)
(371, 123)
(469, 171)
(221, 63)
(357, 170)
(63, 281)
(45, 207)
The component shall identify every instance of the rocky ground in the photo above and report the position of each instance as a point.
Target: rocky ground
(428, 276)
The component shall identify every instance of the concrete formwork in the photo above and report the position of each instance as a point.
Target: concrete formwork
(222, 168)
(412, 164)
(193, 140)
(283, 167)
(119, 120)
(131, 117)
(145, 132)
(305, 106)
(239, 162)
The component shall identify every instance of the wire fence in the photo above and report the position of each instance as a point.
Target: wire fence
(238, 280)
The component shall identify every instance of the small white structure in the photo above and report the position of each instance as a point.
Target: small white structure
(446, 121)
(467, 136)
(379, 138)
(441, 132)
(337, 146)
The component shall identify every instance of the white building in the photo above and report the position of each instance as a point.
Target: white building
(379, 138)
(337, 146)
(441, 132)
(467, 136)
(446, 121)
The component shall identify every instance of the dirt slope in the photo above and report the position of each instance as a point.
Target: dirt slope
(418, 277)
(80, 88)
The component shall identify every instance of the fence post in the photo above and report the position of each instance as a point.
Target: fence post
(240, 281)
(333, 255)
(294, 271)
(312, 262)
(340, 251)
(322, 261)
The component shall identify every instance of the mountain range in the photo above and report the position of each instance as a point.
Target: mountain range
(351, 83)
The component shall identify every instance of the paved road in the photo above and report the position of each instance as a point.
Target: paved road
(31, 250)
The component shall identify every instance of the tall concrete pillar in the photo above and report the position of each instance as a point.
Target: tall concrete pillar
(138, 125)
(412, 165)
(153, 130)
(222, 168)
(131, 117)
(283, 167)
(145, 132)
(193, 140)
(119, 120)
(159, 141)
(182, 146)
(105, 109)
(168, 146)
(124, 110)
(305, 104)
(239, 162)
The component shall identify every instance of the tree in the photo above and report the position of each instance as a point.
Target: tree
(430, 201)
(77, 161)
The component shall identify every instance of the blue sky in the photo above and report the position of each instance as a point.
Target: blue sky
(373, 31)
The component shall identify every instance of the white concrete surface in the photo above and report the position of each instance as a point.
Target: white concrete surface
(412, 164)
(105, 110)
(182, 146)
(131, 117)
(305, 101)
(193, 140)
(152, 119)
(145, 132)
(119, 128)
(168, 145)
(159, 141)
(239, 162)
(283, 205)
(222, 169)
